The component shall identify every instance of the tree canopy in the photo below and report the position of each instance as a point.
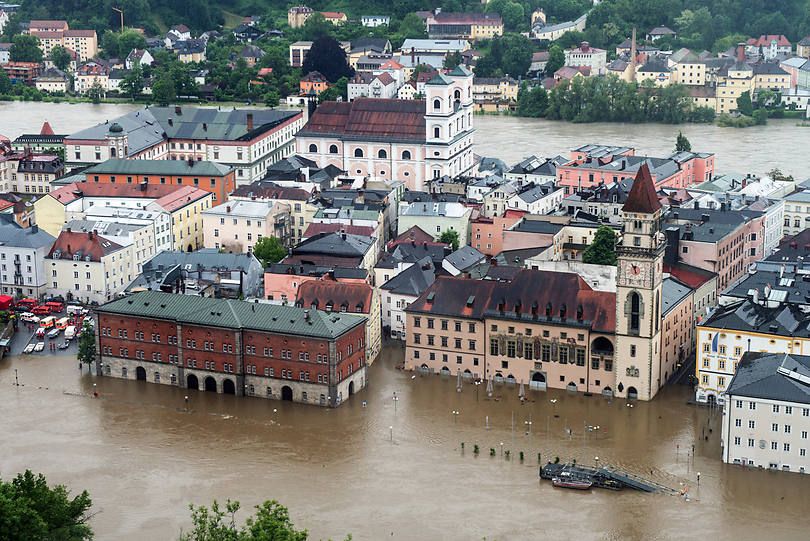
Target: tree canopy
(30, 510)
(510, 54)
(87, 346)
(269, 250)
(25, 48)
(60, 57)
(329, 58)
(682, 144)
(450, 236)
(602, 250)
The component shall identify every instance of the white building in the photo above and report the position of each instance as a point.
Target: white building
(536, 198)
(385, 140)
(373, 21)
(587, 56)
(434, 46)
(766, 417)
(88, 268)
(436, 218)
(22, 259)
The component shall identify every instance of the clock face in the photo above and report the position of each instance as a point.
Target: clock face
(635, 269)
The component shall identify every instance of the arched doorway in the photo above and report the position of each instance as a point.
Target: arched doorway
(445, 371)
(228, 387)
(286, 393)
(351, 388)
(571, 387)
(607, 391)
(210, 384)
(467, 374)
(510, 379)
(192, 382)
(711, 400)
(632, 393)
(190, 248)
(538, 381)
(140, 373)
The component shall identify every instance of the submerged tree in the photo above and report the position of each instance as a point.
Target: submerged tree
(682, 144)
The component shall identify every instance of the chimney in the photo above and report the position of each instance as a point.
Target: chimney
(205, 126)
(343, 235)
(704, 218)
(178, 111)
(697, 205)
(227, 208)
(67, 229)
(740, 52)
(250, 122)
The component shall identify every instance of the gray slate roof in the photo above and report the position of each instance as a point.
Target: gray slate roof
(772, 377)
(159, 167)
(12, 235)
(208, 258)
(335, 244)
(784, 320)
(414, 280)
(233, 314)
(465, 258)
(672, 293)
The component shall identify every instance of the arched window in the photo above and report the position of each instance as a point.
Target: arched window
(112, 152)
(333, 149)
(313, 148)
(437, 104)
(358, 153)
(437, 132)
(634, 323)
(382, 154)
(457, 95)
(406, 154)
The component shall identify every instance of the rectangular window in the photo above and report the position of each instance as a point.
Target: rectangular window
(510, 349)
(493, 346)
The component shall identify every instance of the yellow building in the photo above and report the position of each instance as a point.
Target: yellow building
(185, 206)
(731, 84)
(298, 15)
(656, 71)
(689, 72)
(494, 90)
(471, 26)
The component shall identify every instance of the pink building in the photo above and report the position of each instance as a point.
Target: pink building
(282, 280)
(486, 234)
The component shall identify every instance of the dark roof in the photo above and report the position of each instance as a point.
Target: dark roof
(337, 296)
(694, 277)
(234, 314)
(643, 197)
(767, 68)
(412, 234)
(268, 190)
(410, 252)
(300, 269)
(369, 119)
(746, 315)
(465, 258)
(793, 247)
(772, 376)
(529, 291)
(317, 228)
(527, 225)
(205, 259)
(335, 244)
(414, 280)
(14, 236)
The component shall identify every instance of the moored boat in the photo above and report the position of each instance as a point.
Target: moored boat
(576, 484)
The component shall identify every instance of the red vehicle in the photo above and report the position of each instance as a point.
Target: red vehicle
(28, 304)
(6, 302)
(40, 310)
(55, 306)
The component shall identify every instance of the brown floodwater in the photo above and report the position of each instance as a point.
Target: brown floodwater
(144, 458)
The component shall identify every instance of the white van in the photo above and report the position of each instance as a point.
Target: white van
(73, 309)
(70, 332)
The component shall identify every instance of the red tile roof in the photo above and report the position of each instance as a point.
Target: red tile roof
(765, 40)
(351, 296)
(385, 78)
(694, 277)
(369, 119)
(642, 197)
(333, 14)
(5, 204)
(181, 197)
(413, 234)
(46, 129)
(70, 243)
(314, 229)
(72, 192)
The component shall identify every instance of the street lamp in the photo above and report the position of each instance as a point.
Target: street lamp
(501, 448)
(477, 383)
(186, 401)
(391, 430)
(455, 414)
(596, 458)
(396, 399)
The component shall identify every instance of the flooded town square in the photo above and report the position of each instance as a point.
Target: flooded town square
(380, 468)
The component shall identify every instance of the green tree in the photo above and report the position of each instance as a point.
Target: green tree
(130, 39)
(269, 250)
(329, 58)
(777, 175)
(532, 102)
(270, 523)
(25, 48)
(338, 90)
(30, 510)
(5, 82)
(132, 84)
(682, 144)
(60, 57)
(271, 98)
(411, 26)
(452, 60)
(95, 92)
(87, 346)
(163, 90)
(744, 105)
(450, 236)
(602, 250)
(316, 27)
(556, 59)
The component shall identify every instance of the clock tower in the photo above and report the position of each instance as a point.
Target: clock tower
(640, 254)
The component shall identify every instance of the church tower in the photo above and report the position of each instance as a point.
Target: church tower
(638, 292)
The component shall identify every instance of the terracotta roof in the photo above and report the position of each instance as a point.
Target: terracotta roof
(80, 34)
(46, 129)
(765, 40)
(333, 14)
(70, 243)
(642, 197)
(391, 64)
(5, 204)
(413, 234)
(369, 119)
(48, 23)
(181, 197)
(342, 296)
(694, 277)
(385, 78)
(72, 192)
(315, 228)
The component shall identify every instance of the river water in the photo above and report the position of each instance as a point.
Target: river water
(144, 458)
(781, 143)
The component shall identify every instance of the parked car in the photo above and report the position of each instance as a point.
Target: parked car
(55, 306)
(64, 345)
(28, 317)
(40, 346)
(29, 348)
(53, 333)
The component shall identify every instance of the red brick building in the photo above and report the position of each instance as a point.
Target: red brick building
(233, 347)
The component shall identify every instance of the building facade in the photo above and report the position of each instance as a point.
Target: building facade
(238, 225)
(233, 347)
(22, 260)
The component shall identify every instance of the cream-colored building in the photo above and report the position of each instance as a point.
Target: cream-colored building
(797, 213)
(88, 268)
(52, 80)
(470, 26)
(57, 33)
(689, 72)
(766, 416)
(495, 89)
(298, 15)
(236, 226)
(656, 71)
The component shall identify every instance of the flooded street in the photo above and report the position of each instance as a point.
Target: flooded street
(143, 458)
